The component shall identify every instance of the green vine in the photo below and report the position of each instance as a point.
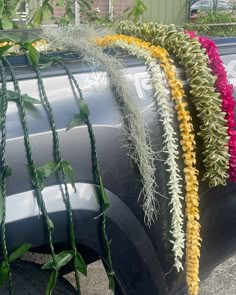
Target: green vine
(5, 267)
(5, 171)
(83, 117)
(35, 180)
(79, 264)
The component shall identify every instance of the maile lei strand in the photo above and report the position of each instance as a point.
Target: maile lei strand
(39, 174)
(148, 52)
(226, 93)
(213, 125)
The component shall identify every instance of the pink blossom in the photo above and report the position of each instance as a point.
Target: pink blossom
(226, 92)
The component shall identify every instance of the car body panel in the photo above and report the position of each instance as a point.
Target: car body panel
(129, 241)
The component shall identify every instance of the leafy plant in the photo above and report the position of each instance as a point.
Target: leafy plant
(85, 10)
(136, 11)
(221, 24)
(9, 12)
(215, 17)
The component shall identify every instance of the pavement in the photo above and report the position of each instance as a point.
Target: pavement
(221, 281)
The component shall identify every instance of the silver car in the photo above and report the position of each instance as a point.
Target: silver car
(208, 5)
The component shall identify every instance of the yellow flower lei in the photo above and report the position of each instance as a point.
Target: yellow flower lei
(188, 145)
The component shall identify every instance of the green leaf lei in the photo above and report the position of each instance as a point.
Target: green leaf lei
(213, 129)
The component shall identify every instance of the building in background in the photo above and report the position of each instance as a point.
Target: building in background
(118, 6)
(112, 8)
(161, 11)
(166, 11)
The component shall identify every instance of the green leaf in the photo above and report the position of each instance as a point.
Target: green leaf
(1, 8)
(63, 21)
(60, 3)
(6, 22)
(8, 171)
(80, 264)
(4, 48)
(85, 3)
(38, 18)
(111, 282)
(42, 173)
(48, 169)
(68, 170)
(18, 253)
(46, 65)
(28, 99)
(32, 111)
(62, 259)
(33, 55)
(50, 8)
(50, 224)
(46, 12)
(13, 96)
(77, 120)
(40, 178)
(104, 198)
(4, 271)
(8, 38)
(84, 110)
(52, 282)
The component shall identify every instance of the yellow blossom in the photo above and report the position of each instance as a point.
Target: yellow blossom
(188, 145)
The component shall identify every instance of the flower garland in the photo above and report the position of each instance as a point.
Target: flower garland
(187, 142)
(213, 129)
(226, 93)
(162, 96)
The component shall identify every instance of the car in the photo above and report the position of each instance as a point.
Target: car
(140, 258)
(208, 5)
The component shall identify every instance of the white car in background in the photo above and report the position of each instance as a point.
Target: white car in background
(208, 5)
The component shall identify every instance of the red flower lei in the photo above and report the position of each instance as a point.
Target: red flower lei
(226, 92)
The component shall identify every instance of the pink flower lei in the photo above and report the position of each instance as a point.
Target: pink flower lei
(226, 92)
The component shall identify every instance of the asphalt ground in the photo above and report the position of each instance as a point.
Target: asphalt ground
(222, 280)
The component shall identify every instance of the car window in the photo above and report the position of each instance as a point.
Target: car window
(205, 5)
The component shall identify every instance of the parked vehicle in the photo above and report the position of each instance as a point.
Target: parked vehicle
(140, 259)
(208, 5)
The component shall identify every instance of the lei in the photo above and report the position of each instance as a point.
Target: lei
(213, 127)
(226, 93)
(145, 50)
